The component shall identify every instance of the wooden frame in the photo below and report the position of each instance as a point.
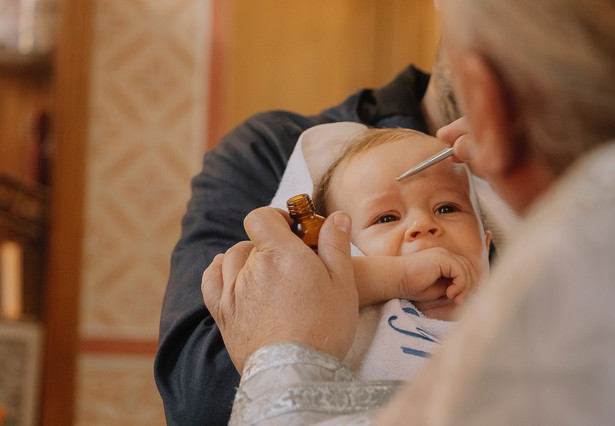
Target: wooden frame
(70, 101)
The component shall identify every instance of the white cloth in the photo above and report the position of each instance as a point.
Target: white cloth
(536, 344)
(393, 341)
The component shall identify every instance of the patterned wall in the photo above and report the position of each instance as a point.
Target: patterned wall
(148, 93)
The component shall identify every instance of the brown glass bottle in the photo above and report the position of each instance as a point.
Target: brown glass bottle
(306, 222)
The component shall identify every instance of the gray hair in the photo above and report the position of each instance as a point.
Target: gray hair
(556, 59)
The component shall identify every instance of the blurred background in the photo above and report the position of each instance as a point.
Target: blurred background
(106, 107)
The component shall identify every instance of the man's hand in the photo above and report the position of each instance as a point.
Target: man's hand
(275, 289)
(458, 135)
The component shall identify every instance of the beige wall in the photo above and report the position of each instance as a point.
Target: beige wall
(305, 55)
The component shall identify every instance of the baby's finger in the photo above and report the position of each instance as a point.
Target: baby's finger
(460, 299)
(435, 290)
(454, 290)
(461, 274)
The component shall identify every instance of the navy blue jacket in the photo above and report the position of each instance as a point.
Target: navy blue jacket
(194, 374)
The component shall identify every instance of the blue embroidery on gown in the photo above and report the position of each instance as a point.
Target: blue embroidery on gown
(417, 333)
(411, 311)
(415, 352)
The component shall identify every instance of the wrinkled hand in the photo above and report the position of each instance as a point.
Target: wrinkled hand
(458, 134)
(275, 289)
(435, 272)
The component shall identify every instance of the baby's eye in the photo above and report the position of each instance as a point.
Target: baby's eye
(386, 218)
(447, 208)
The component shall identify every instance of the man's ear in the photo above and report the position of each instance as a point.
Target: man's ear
(490, 115)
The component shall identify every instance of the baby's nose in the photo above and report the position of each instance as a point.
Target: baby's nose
(420, 227)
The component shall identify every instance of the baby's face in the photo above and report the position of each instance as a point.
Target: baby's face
(430, 209)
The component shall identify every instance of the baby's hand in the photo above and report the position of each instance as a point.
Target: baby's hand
(435, 272)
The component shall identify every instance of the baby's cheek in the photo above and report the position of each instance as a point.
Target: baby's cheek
(380, 245)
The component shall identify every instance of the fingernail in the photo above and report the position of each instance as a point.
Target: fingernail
(342, 222)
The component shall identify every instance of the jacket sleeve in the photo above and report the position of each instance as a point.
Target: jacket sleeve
(194, 374)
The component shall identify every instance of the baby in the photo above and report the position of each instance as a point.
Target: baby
(422, 246)
(429, 222)
(431, 218)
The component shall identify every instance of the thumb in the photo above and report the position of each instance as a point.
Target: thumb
(334, 246)
(267, 228)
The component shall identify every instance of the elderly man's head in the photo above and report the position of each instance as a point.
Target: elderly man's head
(535, 78)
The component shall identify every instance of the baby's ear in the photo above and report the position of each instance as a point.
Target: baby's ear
(488, 239)
(323, 144)
(492, 252)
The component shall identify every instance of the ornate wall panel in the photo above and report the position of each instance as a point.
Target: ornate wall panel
(149, 77)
